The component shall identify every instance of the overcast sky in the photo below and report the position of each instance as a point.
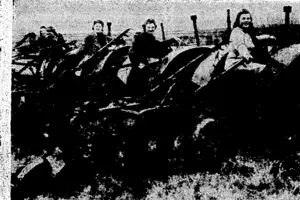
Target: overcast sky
(76, 16)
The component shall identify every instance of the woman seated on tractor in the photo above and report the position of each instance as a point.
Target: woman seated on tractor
(243, 45)
(144, 48)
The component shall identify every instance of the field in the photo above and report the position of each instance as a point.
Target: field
(240, 178)
(196, 148)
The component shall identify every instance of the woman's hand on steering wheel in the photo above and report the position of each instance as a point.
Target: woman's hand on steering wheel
(272, 37)
(274, 45)
(176, 42)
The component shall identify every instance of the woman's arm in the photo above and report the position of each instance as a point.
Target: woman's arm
(265, 37)
(238, 40)
(137, 50)
(87, 45)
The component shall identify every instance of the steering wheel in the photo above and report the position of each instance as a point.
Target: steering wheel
(177, 42)
(272, 45)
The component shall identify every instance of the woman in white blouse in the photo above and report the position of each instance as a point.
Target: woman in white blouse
(242, 43)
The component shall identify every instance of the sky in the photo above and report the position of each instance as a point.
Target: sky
(76, 16)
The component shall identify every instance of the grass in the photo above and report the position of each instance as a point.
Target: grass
(239, 179)
(258, 183)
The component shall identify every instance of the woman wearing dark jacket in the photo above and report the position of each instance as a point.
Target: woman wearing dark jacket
(92, 43)
(96, 40)
(144, 47)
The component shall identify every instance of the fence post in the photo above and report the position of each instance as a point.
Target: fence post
(163, 31)
(228, 31)
(108, 28)
(287, 10)
(228, 21)
(144, 27)
(194, 19)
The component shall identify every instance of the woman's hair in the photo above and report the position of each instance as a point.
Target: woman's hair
(150, 21)
(42, 27)
(98, 22)
(250, 30)
(51, 30)
(237, 20)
